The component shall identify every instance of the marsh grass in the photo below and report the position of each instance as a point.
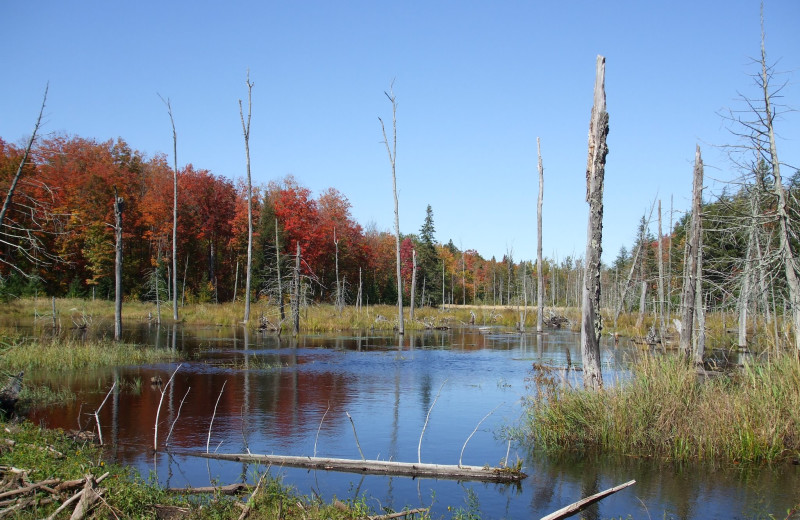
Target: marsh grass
(130, 496)
(666, 410)
(64, 354)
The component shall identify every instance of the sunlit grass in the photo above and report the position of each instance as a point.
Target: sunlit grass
(59, 354)
(666, 410)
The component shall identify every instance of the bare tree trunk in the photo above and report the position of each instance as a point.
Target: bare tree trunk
(539, 260)
(700, 343)
(413, 284)
(661, 301)
(18, 174)
(642, 301)
(296, 302)
(784, 231)
(392, 156)
(744, 293)
(119, 207)
(693, 244)
(339, 298)
(278, 270)
(358, 300)
(236, 282)
(246, 131)
(591, 321)
(174, 210)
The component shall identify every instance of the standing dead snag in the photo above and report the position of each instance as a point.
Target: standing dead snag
(246, 131)
(692, 247)
(174, 211)
(392, 156)
(591, 321)
(539, 264)
(296, 289)
(119, 206)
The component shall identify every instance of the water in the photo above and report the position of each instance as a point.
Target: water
(277, 392)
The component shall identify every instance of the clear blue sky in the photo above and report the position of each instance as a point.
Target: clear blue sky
(476, 83)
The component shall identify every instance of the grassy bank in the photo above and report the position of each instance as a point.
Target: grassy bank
(665, 410)
(64, 354)
(314, 318)
(31, 455)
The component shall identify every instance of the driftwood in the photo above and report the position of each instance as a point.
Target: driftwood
(231, 489)
(17, 493)
(580, 505)
(378, 467)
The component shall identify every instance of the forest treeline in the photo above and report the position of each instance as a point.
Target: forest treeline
(58, 240)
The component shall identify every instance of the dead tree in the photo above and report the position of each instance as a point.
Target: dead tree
(278, 270)
(296, 298)
(174, 211)
(246, 132)
(413, 284)
(119, 207)
(591, 321)
(539, 262)
(700, 311)
(692, 247)
(661, 324)
(12, 188)
(392, 151)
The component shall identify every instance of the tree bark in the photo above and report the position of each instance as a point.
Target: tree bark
(700, 343)
(661, 302)
(246, 131)
(539, 260)
(392, 156)
(119, 206)
(692, 246)
(591, 321)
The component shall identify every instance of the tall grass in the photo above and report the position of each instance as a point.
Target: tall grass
(58, 354)
(666, 410)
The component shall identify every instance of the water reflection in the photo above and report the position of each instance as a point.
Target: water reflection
(278, 390)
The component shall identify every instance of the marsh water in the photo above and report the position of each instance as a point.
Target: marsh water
(292, 397)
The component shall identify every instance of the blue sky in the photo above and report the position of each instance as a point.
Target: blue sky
(476, 84)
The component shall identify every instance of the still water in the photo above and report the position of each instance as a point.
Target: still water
(292, 397)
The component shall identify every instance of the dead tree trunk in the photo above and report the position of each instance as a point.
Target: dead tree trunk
(591, 321)
(339, 297)
(392, 156)
(246, 131)
(18, 174)
(119, 207)
(692, 246)
(700, 342)
(278, 270)
(661, 326)
(784, 230)
(539, 262)
(413, 284)
(296, 299)
(174, 211)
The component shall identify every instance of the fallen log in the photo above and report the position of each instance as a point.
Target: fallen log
(378, 467)
(230, 489)
(582, 504)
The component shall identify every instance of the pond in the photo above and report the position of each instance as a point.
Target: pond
(293, 397)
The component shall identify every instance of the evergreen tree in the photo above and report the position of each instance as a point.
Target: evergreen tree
(429, 269)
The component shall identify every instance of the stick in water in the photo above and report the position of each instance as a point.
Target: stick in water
(208, 442)
(580, 505)
(160, 402)
(419, 446)
(97, 416)
(356, 436)
(320, 427)
(475, 430)
(166, 443)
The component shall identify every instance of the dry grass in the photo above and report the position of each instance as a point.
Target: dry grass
(665, 410)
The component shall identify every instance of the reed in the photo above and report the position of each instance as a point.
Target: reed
(666, 410)
(64, 354)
